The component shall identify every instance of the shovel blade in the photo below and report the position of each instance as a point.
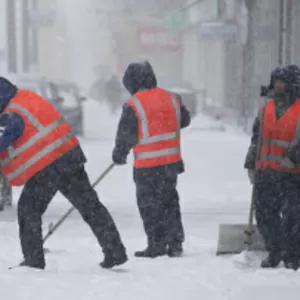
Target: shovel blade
(232, 239)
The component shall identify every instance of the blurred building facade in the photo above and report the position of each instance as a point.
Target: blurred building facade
(33, 36)
(235, 45)
(52, 49)
(146, 38)
(225, 48)
(3, 39)
(61, 40)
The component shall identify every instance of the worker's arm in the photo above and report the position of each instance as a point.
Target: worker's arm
(294, 153)
(185, 114)
(11, 128)
(127, 134)
(251, 155)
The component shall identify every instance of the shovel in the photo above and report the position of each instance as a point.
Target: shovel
(236, 238)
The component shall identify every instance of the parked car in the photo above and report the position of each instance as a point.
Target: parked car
(36, 84)
(64, 95)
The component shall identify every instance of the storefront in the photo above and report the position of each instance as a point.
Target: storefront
(138, 40)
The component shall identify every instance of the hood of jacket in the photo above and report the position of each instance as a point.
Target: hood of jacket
(139, 76)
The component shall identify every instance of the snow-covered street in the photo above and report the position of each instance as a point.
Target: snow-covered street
(213, 190)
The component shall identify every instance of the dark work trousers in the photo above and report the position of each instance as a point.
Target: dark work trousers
(277, 207)
(76, 187)
(158, 203)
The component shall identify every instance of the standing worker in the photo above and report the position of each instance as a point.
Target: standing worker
(39, 150)
(277, 193)
(150, 124)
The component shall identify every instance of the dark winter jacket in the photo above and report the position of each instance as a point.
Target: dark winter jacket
(140, 76)
(293, 153)
(11, 123)
(12, 126)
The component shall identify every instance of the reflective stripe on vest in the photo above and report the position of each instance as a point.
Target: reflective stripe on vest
(146, 139)
(274, 142)
(42, 132)
(273, 157)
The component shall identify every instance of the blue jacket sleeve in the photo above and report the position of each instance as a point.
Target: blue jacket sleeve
(11, 128)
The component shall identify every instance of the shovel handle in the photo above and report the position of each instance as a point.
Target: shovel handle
(250, 231)
(53, 227)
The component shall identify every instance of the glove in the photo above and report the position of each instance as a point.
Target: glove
(118, 159)
(286, 163)
(251, 175)
(120, 162)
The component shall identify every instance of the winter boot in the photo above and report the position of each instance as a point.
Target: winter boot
(291, 261)
(114, 258)
(175, 250)
(292, 265)
(272, 261)
(34, 266)
(151, 252)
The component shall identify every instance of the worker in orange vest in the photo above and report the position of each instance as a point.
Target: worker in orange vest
(150, 125)
(277, 174)
(39, 150)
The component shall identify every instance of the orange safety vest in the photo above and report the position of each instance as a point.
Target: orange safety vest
(278, 136)
(46, 137)
(159, 119)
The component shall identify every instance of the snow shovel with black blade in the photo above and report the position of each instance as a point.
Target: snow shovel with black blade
(53, 227)
(236, 238)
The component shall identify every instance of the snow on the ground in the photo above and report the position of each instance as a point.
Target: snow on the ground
(213, 190)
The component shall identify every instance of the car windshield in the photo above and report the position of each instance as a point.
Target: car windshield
(69, 96)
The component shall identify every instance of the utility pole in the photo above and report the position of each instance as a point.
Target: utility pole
(11, 36)
(281, 32)
(34, 38)
(289, 31)
(25, 37)
(248, 105)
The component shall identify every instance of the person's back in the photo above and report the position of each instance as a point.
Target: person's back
(52, 136)
(159, 109)
(139, 79)
(158, 128)
(150, 125)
